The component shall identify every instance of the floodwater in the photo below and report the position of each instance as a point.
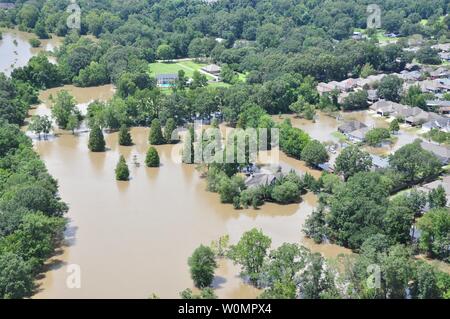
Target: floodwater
(133, 239)
(16, 51)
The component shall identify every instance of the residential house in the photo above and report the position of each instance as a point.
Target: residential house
(351, 126)
(323, 87)
(410, 76)
(359, 135)
(418, 119)
(442, 47)
(212, 69)
(262, 179)
(412, 67)
(438, 123)
(379, 163)
(445, 56)
(7, 5)
(441, 152)
(387, 108)
(440, 72)
(166, 80)
(443, 107)
(326, 167)
(445, 183)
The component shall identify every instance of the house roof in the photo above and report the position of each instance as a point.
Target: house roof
(445, 183)
(379, 161)
(351, 126)
(438, 103)
(168, 76)
(442, 152)
(7, 5)
(212, 68)
(261, 179)
(359, 134)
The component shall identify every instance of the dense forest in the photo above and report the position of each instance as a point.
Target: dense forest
(284, 48)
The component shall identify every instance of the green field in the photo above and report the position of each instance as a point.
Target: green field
(187, 66)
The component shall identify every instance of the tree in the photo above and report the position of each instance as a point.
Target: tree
(40, 124)
(356, 101)
(434, 228)
(285, 193)
(314, 153)
(394, 126)
(351, 161)
(377, 135)
(156, 136)
(35, 43)
(122, 172)
(437, 197)
(390, 88)
(202, 264)
(427, 55)
(96, 140)
(415, 163)
(152, 158)
(16, 279)
(367, 70)
(169, 130)
(250, 252)
(63, 108)
(198, 80)
(165, 52)
(125, 136)
(73, 123)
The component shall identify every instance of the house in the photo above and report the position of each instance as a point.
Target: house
(412, 67)
(379, 162)
(445, 183)
(442, 47)
(262, 179)
(359, 135)
(7, 5)
(387, 108)
(407, 112)
(418, 119)
(351, 126)
(436, 104)
(438, 123)
(441, 152)
(434, 86)
(166, 80)
(445, 56)
(323, 87)
(440, 72)
(326, 167)
(410, 76)
(212, 69)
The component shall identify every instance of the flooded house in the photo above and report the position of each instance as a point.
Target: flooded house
(387, 108)
(262, 179)
(440, 151)
(351, 126)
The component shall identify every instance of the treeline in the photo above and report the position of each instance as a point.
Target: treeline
(31, 222)
(265, 39)
(291, 271)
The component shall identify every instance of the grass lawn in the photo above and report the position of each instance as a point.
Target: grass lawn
(187, 66)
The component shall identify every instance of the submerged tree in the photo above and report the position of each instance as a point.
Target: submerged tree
(125, 136)
(122, 172)
(96, 140)
(202, 264)
(152, 158)
(168, 131)
(156, 136)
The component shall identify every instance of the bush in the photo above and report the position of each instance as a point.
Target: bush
(286, 193)
(152, 158)
(122, 172)
(96, 140)
(35, 42)
(125, 136)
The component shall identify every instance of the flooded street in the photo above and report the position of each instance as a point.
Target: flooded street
(16, 50)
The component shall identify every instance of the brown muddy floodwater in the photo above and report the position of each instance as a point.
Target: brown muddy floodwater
(16, 51)
(132, 239)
